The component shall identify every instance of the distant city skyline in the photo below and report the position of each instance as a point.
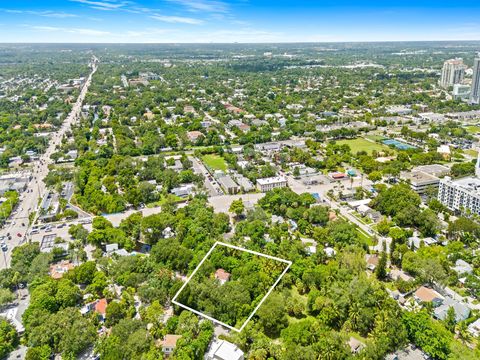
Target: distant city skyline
(205, 21)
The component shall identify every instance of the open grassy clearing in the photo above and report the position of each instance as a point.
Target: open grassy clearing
(215, 162)
(361, 144)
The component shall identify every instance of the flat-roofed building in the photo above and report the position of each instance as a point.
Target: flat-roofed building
(227, 183)
(433, 169)
(420, 181)
(223, 350)
(267, 184)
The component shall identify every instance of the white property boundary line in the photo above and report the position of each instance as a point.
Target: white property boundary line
(174, 300)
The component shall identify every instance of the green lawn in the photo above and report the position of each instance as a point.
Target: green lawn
(461, 352)
(366, 238)
(375, 137)
(471, 152)
(163, 199)
(215, 162)
(473, 129)
(361, 144)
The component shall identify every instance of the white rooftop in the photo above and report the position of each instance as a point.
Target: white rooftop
(223, 350)
(271, 180)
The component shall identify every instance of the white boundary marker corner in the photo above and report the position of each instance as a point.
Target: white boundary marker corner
(174, 300)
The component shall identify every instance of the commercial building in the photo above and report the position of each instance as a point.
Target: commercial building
(433, 169)
(267, 184)
(453, 72)
(14, 181)
(475, 90)
(49, 207)
(420, 181)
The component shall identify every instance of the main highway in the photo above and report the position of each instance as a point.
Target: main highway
(18, 226)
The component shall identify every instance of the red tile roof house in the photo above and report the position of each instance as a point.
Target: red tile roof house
(222, 276)
(194, 135)
(57, 270)
(99, 306)
(169, 343)
(426, 295)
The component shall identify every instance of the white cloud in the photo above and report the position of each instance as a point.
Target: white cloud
(213, 6)
(103, 5)
(46, 13)
(177, 19)
(78, 31)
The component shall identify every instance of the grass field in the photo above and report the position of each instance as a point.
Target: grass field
(215, 162)
(360, 144)
(473, 129)
(375, 137)
(471, 152)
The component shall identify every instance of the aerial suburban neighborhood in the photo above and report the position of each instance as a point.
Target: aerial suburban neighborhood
(227, 200)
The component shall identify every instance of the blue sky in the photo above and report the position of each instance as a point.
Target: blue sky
(198, 21)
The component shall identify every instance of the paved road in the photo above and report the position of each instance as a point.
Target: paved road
(37, 188)
(222, 203)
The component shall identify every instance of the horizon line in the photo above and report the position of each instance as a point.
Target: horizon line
(238, 42)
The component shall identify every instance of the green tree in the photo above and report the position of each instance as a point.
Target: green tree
(272, 315)
(237, 207)
(8, 337)
(381, 269)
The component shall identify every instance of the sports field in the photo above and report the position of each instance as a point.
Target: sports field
(215, 162)
(361, 144)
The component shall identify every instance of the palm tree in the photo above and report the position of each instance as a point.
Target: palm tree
(463, 333)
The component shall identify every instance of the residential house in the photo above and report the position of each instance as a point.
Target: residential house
(427, 295)
(474, 328)
(222, 276)
(245, 184)
(227, 183)
(57, 270)
(194, 135)
(396, 274)
(462, 267)
(98, 306)
(169, 343)
(416, 242)
(184, 190)
(223, 350)
(372, 261)
(101, 308)
(355, 345)
(462, 311)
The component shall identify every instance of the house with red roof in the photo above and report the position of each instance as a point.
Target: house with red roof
(222, 276)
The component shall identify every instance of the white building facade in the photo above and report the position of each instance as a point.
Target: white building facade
(453, 72)
(267, 184)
